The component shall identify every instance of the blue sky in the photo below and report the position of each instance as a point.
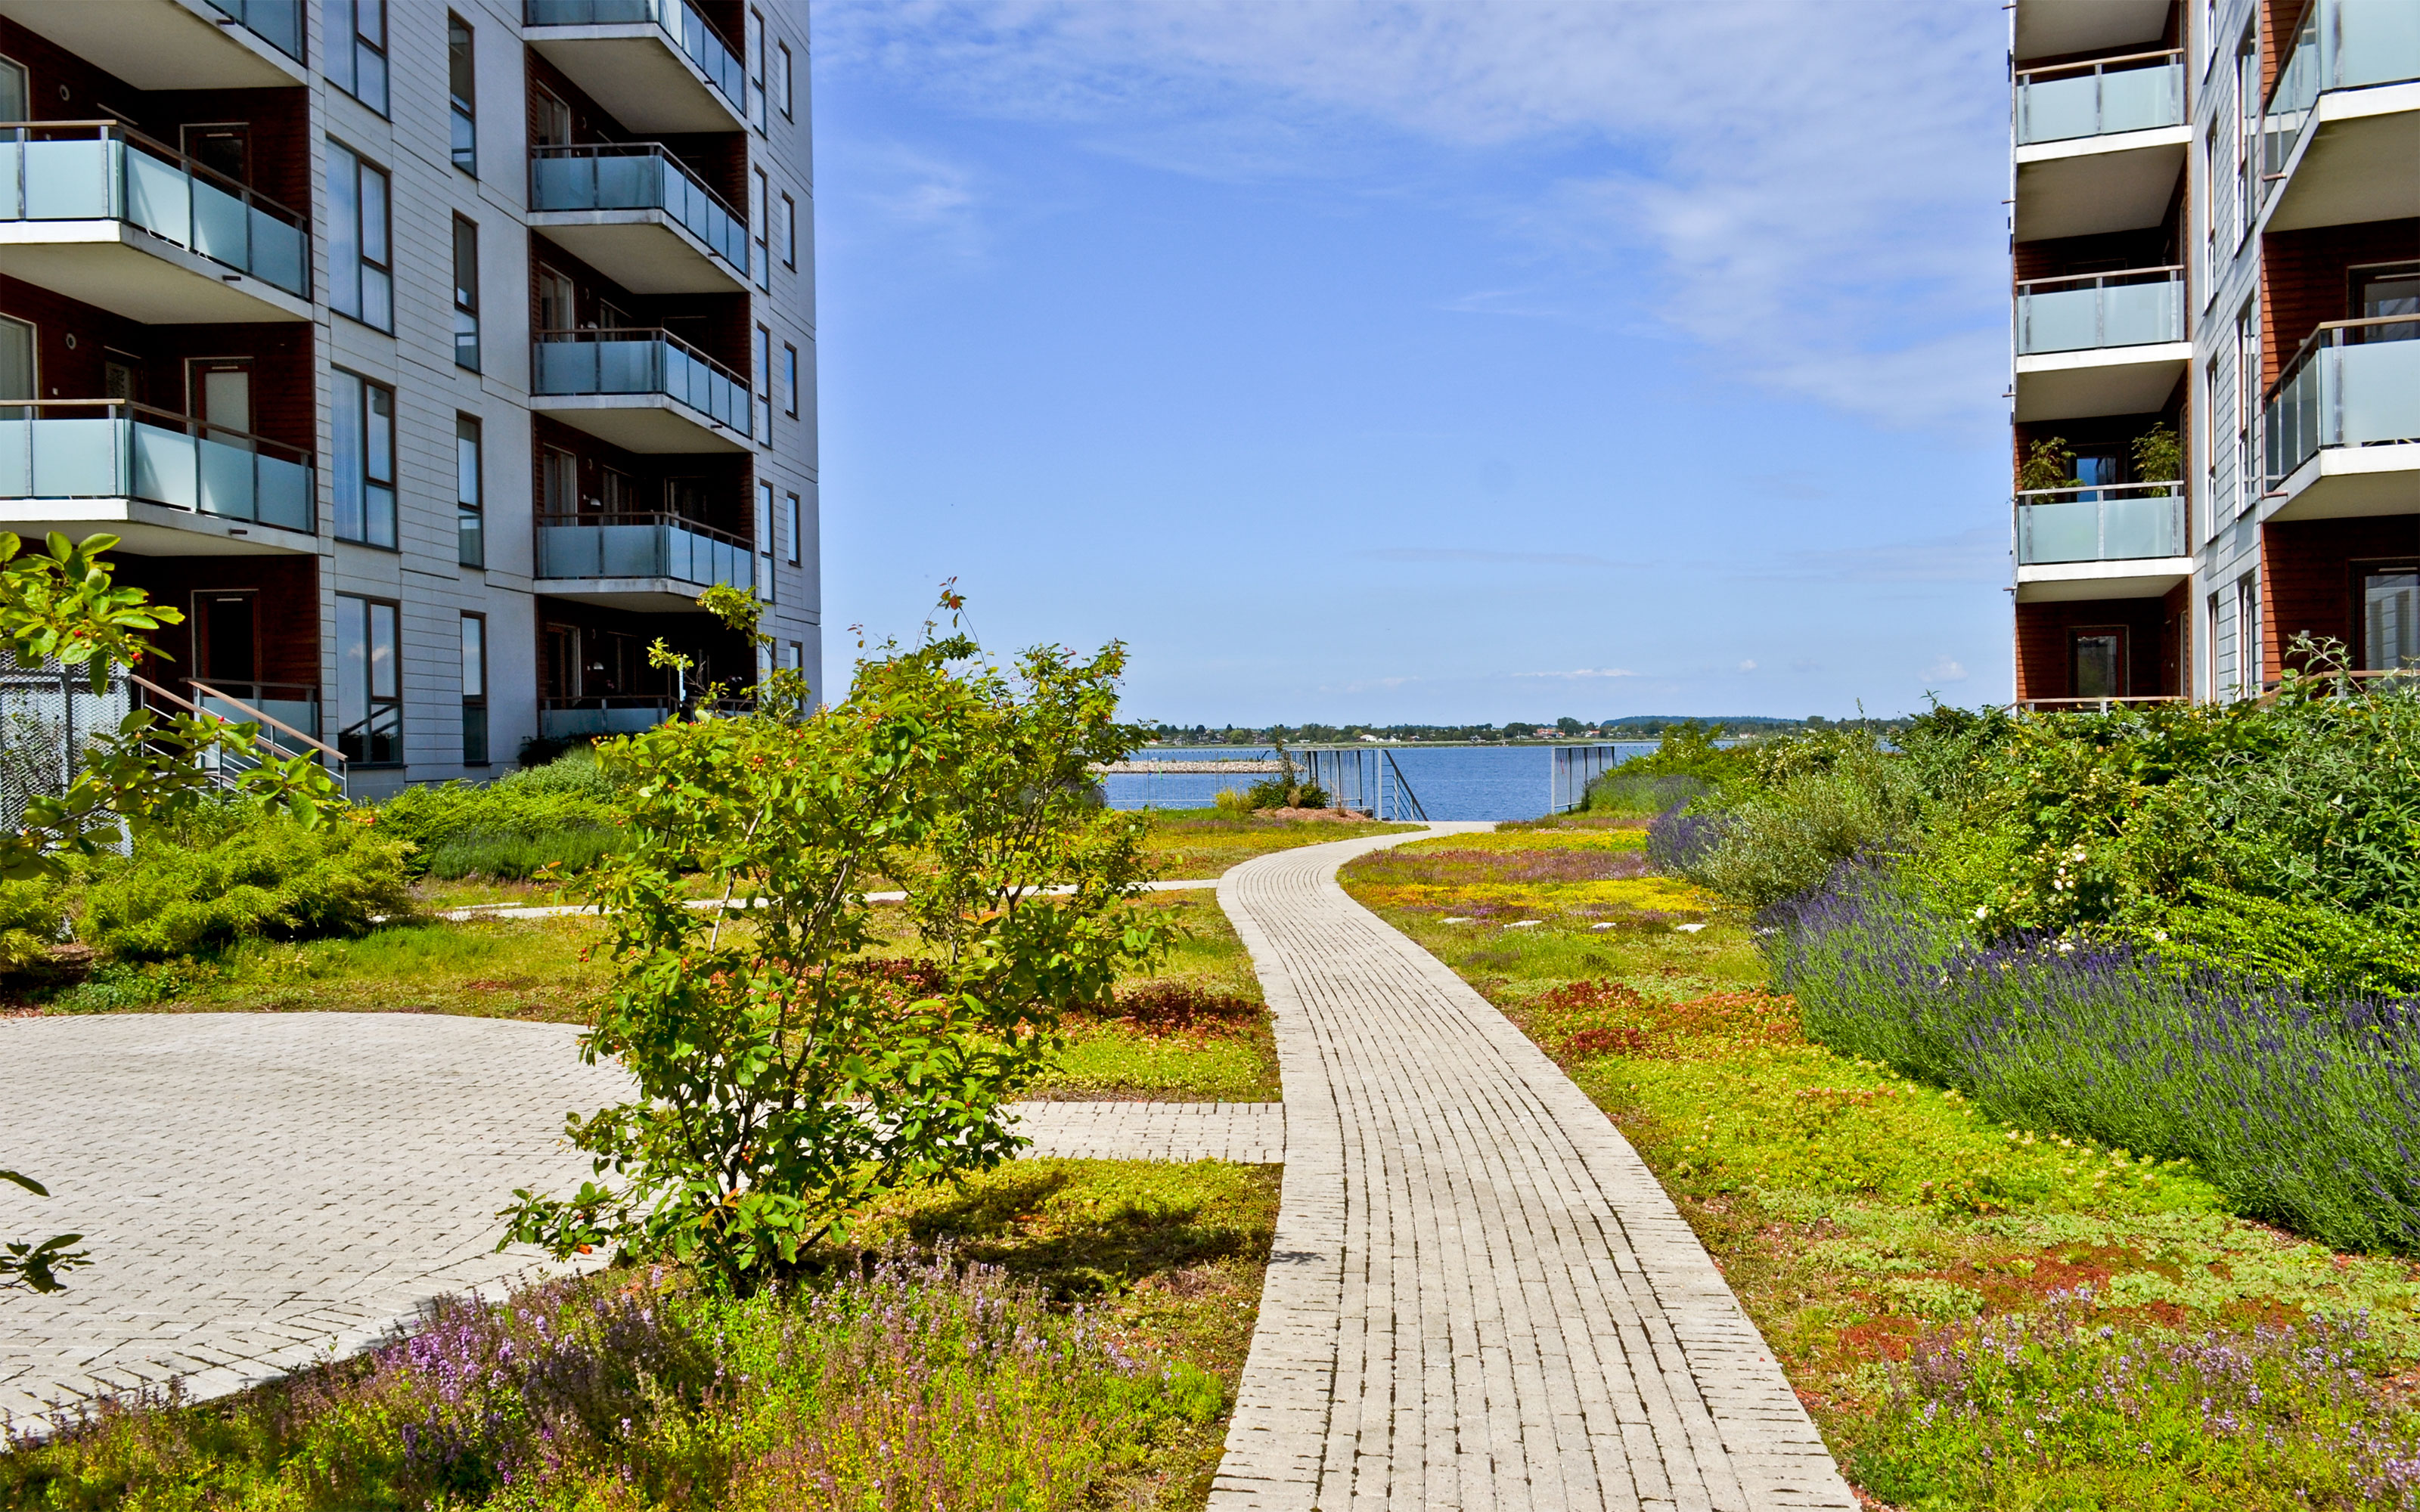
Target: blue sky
(1466, 361)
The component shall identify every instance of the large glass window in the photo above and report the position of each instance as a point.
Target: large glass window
(2390, 618)
(789, 232)
(2382, 292)
(781, 89)
(13, 90)
(462, 81)
(474, 689)
(789, 379)
(16, 359)
(765, 542)
(362, 464)
(761, 213)
(791, 518)
(466, 294)
(361, 280)
(470, 492)
(756, 68)
(356, 43)
(763, 358)
(2099, 669)
(369, 692)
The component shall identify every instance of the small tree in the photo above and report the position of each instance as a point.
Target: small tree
(2049, 464)
(784, 1077)
(2159, 456)
(60, 605)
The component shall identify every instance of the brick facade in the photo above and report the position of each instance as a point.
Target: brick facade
(2307, 578)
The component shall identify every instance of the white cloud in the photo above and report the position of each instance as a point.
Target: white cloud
(1810, 180)
(1475, 554)
(1944, 670)
(1584, 672)
(1747, 665)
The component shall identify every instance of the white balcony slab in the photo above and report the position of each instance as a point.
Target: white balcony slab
(127, 271)
(648, 423)
(2088, 185)
(647, 251)
(2354, 482)
(149, 530)
(651, 595)
(159, 44)
(2100, 381)
(636, 71)
(2359, 161)
(2074, 581)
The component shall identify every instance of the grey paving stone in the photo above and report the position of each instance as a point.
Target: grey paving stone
(1479, 1296)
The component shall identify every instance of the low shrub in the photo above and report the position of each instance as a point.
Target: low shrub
(1784, 840)
(1623, 792)
(571, 795)
(33, 918)
(517, 857)
(1678, 839)
(2303, 1109)
(256, 876)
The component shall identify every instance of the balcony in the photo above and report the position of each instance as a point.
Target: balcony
(102, 214)
(644, 391)
(2101, 541)
(2342, 126)
(177, 44)
(636, 215)
(655, 64)
(2100, 344)
(165, 484)
(644, 561)
(2342, 425)
(287, 709)
(2070, 28)
(573, 719)
(2099, 144)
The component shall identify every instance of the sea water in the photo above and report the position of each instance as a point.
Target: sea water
(1450, 781)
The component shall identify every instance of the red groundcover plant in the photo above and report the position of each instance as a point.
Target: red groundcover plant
(781, 1086)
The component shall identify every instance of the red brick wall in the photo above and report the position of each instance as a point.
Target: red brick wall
(2306, 570)
(2045, 666)
(286, 603)
(2303, 280)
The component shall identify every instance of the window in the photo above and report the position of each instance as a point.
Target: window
(761, 216)
(2099, 663)
(2250, 482)
(553, 129)
(369, 700)
(791, 516)
(16, 363)
(461, 76)
(557, 302)
(2248, 669)
(762, 354)
(756, 68)
(360, 281)
(2247, 133)
(466, 294)
(765, 541)
(470, 492)
(789, 232)
(2214, 404)
(357, 50)
(2390, 618)
(474, 689)
(362, 460)
(782, 81)
(2380, 292)
(15, 91)
(790, 379)
(559, 479)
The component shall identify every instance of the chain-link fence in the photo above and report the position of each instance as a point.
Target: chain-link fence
(49, 718)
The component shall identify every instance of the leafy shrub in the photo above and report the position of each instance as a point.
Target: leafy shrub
(1786, 839)
(573, 794)
(33, 918)
(262, 876)
(1678, 839)
(1620, 792)
(517, 857)
(1684, 749)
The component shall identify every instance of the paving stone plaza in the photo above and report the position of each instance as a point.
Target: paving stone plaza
(1478, 1296)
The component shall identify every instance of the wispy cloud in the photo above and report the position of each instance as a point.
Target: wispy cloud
(1480, 555)
(1971, 557)
(1944, 670)
(1583, 673)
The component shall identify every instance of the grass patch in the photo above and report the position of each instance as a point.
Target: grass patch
(1978, 1315)
(1050, 1334)
(1205, 843)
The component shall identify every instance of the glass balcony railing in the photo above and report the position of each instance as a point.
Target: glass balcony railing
(111, 449)
(99, 171)
(679, 20)
(2354, 383)
(294, 705)
(2136, 308)
(642, 545)
(2103, 522)
(640, 176)
(572, 363)
(278, 22)
(2342, 44)
(2133, 93)
(568, 719)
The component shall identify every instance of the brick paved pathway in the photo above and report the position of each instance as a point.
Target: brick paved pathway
(1479, 1296)
(261, 1189)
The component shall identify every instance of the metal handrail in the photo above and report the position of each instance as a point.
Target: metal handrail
(269, 719)
(189, 424)
(649, 517)
(251, 196)
(1409, 800)
(2175, 488)
(2027, 284)
(2322, 337)
(2102, 703)
(2098, 63)
(597, 333)
(638, 149)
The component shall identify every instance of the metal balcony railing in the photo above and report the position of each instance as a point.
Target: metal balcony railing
(100, 171)
(2341, 44)
(2131, 92)
(290, 707)
(679, 20)
(278, 22)
(642, 545)
(114, 449)
(2354, 383)
(2101, 522)
(567, 719)
(2137, 307)
(573, 363)
(637, 177)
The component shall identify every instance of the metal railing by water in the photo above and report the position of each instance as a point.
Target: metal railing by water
(640, 176)
(2101, 522)
(100, 171)
(1575, 767)
(114, 449)
(642, 545)
(2136, 307)
(1366, 778)
(2341, 44)
(278, 22)
(2134, 92)
(679, 20)
(2352, 383)
(573, 363)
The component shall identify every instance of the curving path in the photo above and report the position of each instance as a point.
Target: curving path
(1479, 1297)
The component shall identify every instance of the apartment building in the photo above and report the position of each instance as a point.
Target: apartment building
(431, 355)
(2216, 229)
